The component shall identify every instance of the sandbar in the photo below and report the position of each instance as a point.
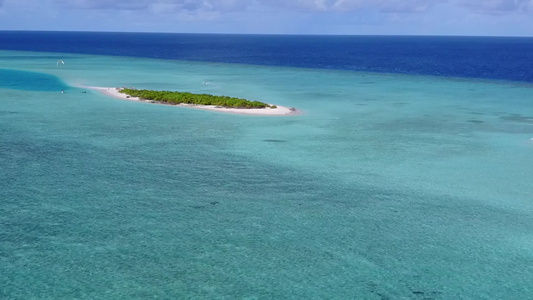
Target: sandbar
(278, 111)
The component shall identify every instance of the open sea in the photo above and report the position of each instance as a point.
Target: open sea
(409, 174)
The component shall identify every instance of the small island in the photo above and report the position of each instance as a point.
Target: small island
(199, 101)
(171, 97)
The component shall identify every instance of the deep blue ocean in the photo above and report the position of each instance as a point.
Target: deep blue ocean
(506, 58)
(407, 175)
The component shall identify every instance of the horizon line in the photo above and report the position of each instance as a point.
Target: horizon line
(269, 34)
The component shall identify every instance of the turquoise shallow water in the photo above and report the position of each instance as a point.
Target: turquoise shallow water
(387, 187)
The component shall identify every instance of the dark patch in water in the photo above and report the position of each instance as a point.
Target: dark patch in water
(476, 121)
(8, 112)
(400, 104)
(275, 141)
(197, 206)
(373, 288)
(426, 295)
(213, 203)
(30, 81)
(367, 82)
(517, 118)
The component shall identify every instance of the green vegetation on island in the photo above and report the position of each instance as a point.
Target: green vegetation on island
(190, 98)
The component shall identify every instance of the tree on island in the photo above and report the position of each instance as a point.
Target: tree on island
(190, 98)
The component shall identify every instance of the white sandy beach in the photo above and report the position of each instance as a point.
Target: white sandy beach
(278, 111)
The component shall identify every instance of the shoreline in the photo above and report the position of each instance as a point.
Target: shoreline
(278, 111)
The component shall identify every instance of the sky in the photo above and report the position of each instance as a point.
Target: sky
(351, 17)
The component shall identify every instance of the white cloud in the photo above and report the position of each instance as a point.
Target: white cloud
(104, 4)
(179, 5)
(490, 17)
(385, 6)
(236, 5)
(416, 6)
(354, 5)
(498, 6)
